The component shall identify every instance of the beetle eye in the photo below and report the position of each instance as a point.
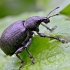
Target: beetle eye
(46, 20)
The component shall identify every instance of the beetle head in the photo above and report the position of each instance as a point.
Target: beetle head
(46, 19)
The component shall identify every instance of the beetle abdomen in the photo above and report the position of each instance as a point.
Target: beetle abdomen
(13, 37)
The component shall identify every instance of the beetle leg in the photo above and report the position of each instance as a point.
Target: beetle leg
(49, 28)
(54, 37)
(31, 56)
(17, 52)
(26, 46)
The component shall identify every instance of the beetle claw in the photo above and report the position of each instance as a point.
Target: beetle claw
(64, 41)
(53, 28)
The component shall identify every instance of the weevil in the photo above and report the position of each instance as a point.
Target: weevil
(18, 36)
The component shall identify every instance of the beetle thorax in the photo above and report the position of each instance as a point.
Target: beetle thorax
(32, 23)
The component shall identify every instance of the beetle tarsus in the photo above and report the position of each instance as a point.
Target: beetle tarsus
(57, 38)
(63, 41)
(53, 28)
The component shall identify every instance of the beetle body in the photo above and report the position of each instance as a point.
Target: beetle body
(18, 36)
(13, 36)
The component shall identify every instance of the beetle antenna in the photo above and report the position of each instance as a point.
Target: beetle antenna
(52, 11)
(53, 15)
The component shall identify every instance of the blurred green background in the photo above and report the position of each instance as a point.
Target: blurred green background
(15, 7)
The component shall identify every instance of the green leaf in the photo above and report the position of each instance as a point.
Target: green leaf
(66, 11)
(64, 8)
